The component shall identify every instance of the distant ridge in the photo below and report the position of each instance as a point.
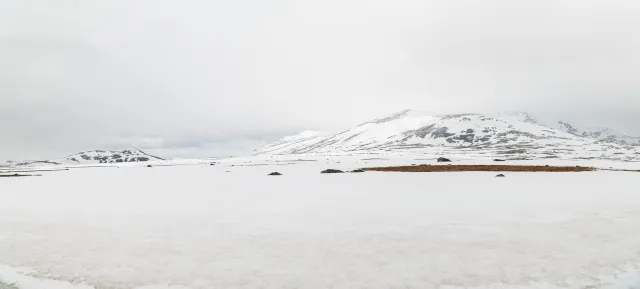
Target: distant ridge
(94, 157)
(515, 135)
(109, 157)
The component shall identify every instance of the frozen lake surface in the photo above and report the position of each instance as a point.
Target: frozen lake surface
(199, 226)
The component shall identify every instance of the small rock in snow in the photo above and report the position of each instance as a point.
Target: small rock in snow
(331, 171)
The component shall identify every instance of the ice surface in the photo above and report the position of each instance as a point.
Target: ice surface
(197, 226)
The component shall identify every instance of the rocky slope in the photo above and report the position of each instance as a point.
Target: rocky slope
(459, 134)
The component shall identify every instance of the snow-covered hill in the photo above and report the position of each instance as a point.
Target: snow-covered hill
(459, 134)
(108, 157)
(601, 134)
(93, 157)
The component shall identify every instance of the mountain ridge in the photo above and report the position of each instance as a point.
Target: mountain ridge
(94, 157)
(110, 156)
(604, 134)
(519, 135)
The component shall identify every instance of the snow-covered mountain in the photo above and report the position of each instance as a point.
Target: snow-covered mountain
(602, 134)
(94, 157)
(109, 157)
(459, 134)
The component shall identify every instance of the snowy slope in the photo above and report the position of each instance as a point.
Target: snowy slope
(92, 157)
(108, 157)
(601, 134)
(413, 131)
(29, 163)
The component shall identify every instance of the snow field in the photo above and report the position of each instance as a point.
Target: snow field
(199, 226)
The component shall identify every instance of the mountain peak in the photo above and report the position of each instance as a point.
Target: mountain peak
(517, 133)
(520, 116)
(388, 118)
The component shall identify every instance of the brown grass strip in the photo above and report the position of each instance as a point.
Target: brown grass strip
(480, 168)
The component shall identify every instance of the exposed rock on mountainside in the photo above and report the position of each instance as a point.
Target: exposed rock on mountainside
(515, 136)
(109, 157)
(94, 157)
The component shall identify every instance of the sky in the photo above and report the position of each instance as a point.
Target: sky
(217, 78)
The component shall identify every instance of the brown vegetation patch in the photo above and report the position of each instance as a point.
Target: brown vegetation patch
(480, 168)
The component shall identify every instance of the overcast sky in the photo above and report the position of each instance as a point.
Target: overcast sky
(215, 78)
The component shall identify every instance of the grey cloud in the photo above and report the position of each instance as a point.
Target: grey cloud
(202, 78)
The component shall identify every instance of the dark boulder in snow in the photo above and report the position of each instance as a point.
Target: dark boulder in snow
(331, 171)
(500, 176)
(443, 160)
(275, 174)
(498, 160)
(357, 171)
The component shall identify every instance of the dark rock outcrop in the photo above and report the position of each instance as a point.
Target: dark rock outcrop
(444, 160)
(332, 171)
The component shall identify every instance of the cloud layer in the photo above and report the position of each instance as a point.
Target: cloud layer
(204, 78)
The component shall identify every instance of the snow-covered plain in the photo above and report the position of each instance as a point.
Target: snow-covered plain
(232, 226)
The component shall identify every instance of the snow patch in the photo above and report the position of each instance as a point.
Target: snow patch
(16, 278)
(20, 279)
(304, 134)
